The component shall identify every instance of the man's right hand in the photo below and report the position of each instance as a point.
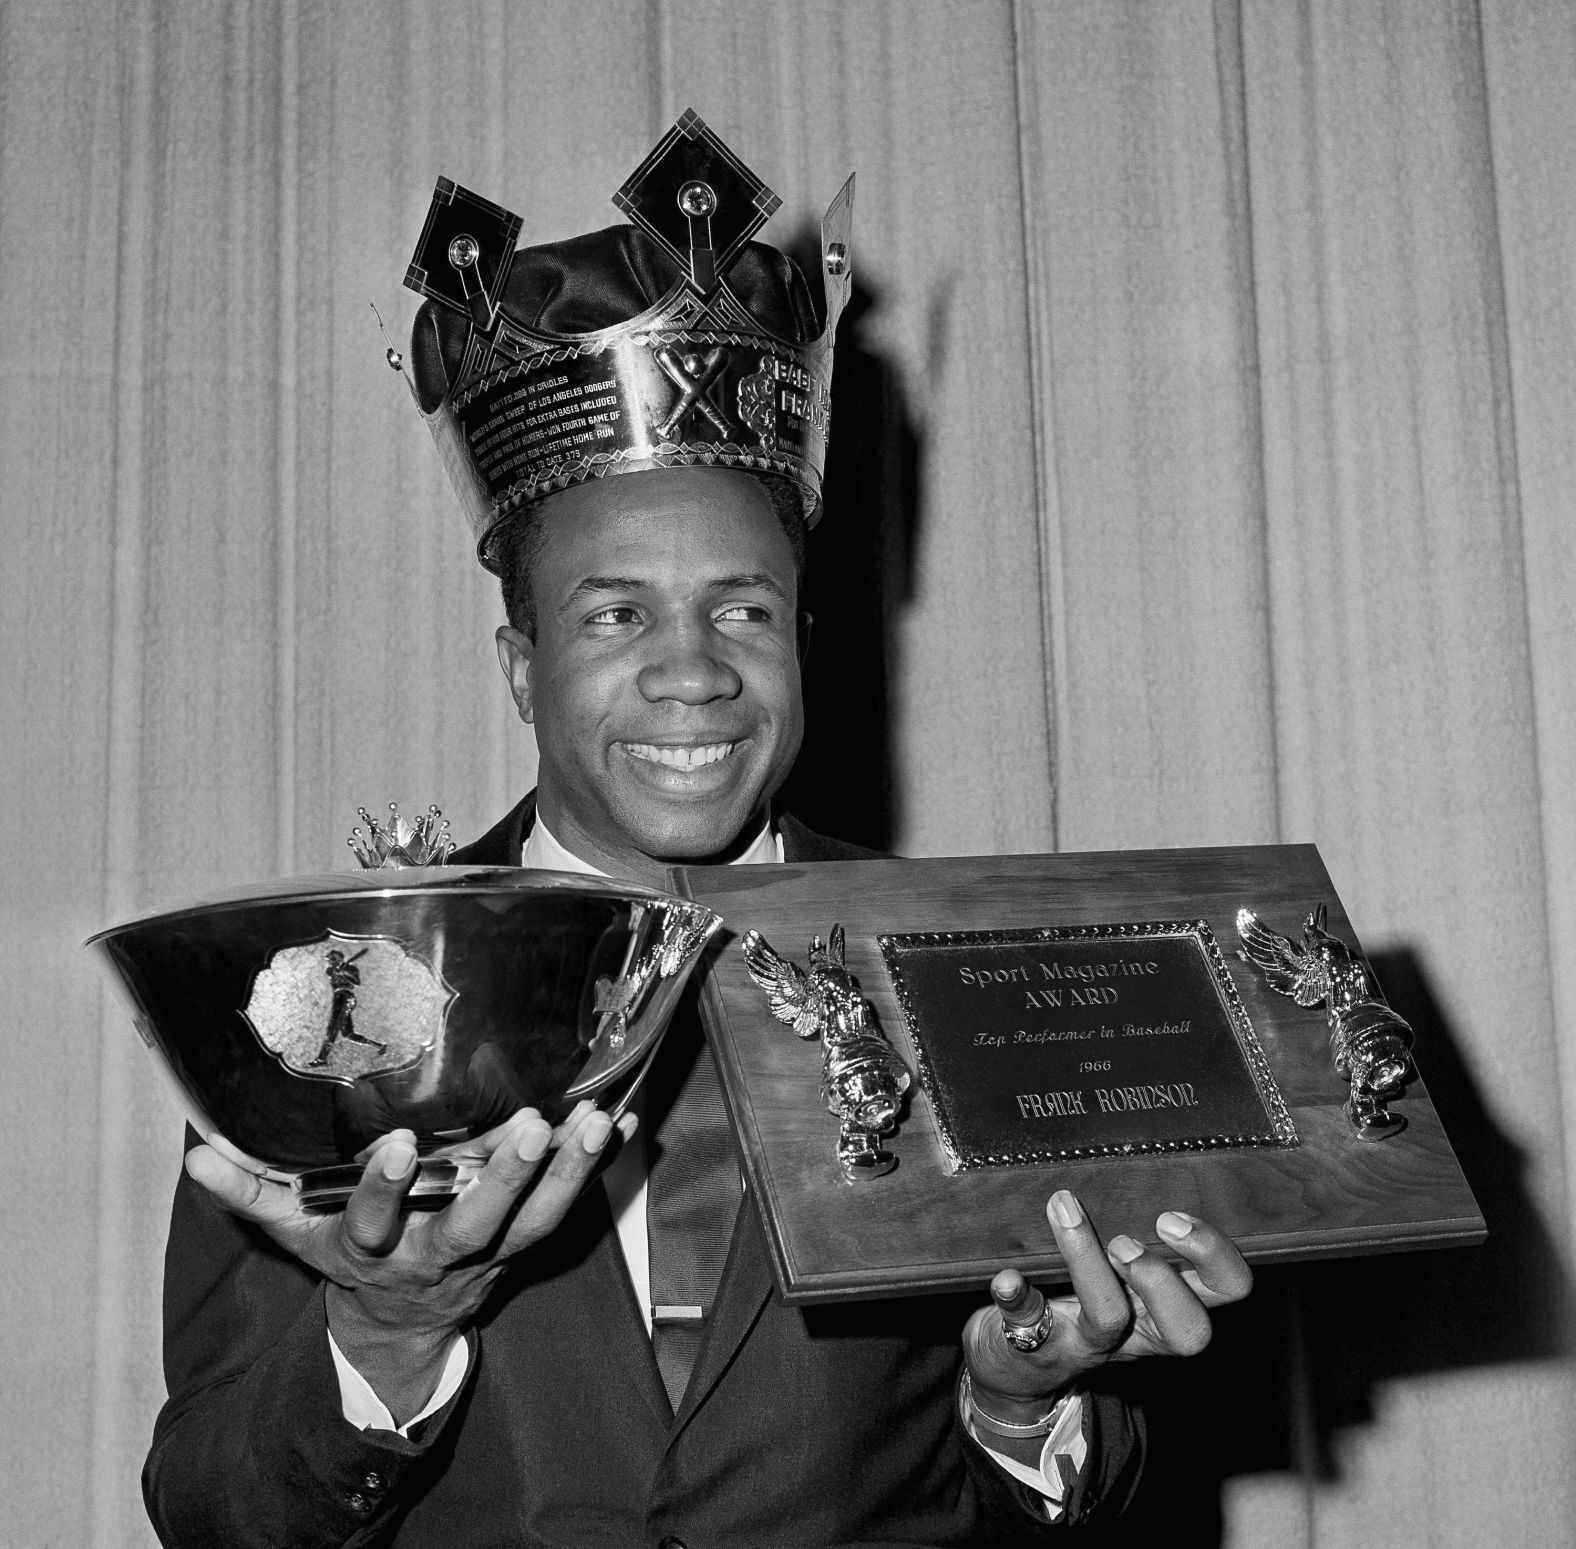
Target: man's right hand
(402, 1283)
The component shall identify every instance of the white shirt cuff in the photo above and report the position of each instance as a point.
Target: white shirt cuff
(1066, 1439)
(367, 1412)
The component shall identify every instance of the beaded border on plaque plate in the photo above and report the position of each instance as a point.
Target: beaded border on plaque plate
(1281, 1131)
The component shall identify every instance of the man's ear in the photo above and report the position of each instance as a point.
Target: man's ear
(515, 650)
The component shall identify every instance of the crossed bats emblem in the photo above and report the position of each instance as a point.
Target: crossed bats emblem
(693, 373)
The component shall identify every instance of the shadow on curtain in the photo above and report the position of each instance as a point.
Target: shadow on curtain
(860, 579)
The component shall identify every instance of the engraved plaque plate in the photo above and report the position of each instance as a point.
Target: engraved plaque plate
(1101, 1040)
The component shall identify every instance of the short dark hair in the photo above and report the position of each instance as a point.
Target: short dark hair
(517, 545)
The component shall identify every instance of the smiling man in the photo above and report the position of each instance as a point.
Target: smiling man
(635, 421)
(662, 677)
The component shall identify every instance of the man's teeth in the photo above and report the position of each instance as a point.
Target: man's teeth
(680, 758)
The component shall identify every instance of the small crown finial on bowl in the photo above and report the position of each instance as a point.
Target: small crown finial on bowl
(401, 843)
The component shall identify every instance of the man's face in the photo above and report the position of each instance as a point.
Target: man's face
(664, 678)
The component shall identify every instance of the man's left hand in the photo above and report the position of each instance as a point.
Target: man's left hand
(1126, 1303)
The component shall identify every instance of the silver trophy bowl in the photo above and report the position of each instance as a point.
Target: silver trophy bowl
(304, 1018)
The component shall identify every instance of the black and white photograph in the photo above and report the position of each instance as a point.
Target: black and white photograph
(788, 773)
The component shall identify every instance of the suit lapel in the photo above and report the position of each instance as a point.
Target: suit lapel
(502, 843)
(621, 1335)
(804, 844)
(744, 1289)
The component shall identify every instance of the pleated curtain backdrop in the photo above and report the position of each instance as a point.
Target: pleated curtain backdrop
(1217, 373)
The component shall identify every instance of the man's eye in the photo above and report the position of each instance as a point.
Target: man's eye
(619, 613)
(744, 613)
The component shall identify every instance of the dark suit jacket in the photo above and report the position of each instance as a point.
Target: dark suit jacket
(831, 1426)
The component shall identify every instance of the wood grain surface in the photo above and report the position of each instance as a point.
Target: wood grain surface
(924, 1228)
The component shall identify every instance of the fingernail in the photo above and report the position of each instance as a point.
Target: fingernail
(1010, 1300)
(398, 1159)
(532, 1144)
(1124, 1249)
(1174, 1224)
(595, 1132)
(1066, 1209)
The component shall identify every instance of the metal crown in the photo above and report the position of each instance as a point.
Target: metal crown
(697, 378)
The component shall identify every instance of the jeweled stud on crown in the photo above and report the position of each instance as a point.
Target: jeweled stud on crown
(697, 199)
(426, 842)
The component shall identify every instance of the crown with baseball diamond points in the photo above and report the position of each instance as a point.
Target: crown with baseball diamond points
(674, 341)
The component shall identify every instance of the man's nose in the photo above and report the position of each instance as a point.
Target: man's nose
(690, 665)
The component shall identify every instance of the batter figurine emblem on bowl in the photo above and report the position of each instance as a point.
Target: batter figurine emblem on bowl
(345, 1007)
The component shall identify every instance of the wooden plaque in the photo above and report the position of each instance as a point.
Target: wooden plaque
(932, 1224)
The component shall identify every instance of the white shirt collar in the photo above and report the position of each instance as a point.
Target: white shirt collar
(543, 852)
